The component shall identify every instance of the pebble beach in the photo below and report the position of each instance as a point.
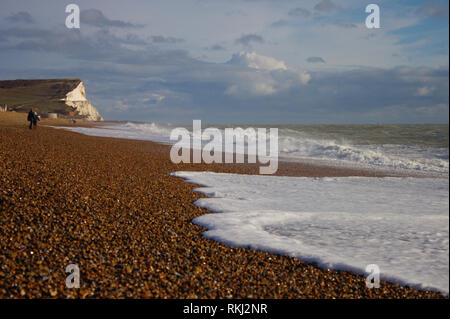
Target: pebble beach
(109, 206)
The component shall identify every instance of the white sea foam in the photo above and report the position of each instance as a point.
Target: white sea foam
(295, 145)
(135, 131)
(400, 224)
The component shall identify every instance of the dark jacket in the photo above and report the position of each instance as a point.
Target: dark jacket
(31, 116)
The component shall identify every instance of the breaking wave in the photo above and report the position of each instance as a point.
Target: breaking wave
(296, 145)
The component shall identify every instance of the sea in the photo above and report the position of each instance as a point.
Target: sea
(416, 148)
(400, 224)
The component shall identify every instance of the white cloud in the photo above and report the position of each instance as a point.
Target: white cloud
(259, 87)
(256, 61)
(424, 91)
(304, 77)
(262, 76)
(154, 98)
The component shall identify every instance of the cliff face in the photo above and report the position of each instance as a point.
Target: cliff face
(77, 100)
(67, 97)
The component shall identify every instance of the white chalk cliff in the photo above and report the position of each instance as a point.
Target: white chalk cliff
(77, 100)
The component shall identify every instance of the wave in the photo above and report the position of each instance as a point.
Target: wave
(296, 145)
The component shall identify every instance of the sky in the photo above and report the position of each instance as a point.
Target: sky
(239, 61)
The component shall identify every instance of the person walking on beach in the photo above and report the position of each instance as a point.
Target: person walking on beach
(32, 118)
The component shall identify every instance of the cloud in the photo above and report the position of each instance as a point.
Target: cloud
(325, 6)
(253, 88)
(263, 76)
(216, 47)
(216, 92)
(163, 39)
(365, 95)
(247, 39)
(96, 18)
(433, 9)
(315, 59)
(345, 25)
(304, 77)
(424, 91)
(127, 65)
(299, 12)
(102, 45)
(20, 17)
(381, 88)
(154, 98)
(256, 61)
(280, 23)
(23, 33)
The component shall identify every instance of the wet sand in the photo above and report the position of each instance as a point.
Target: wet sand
(109, 206)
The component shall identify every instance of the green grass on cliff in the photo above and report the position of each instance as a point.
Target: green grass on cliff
(43, 96)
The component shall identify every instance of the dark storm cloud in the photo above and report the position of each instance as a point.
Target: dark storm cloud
(315, 59)
(325, 6)
(163, 39)
(299, 12)
(216, 47)
(102, 45)
(379, 91)
(20, 17)
(96, 18)
(362, 95)
(23, 33)
(247, 39)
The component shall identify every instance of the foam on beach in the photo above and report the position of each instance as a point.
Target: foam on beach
(345, 223)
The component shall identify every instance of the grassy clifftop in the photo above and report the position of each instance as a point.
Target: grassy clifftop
(44, 96)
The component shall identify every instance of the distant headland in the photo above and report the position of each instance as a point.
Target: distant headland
(64, 98)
